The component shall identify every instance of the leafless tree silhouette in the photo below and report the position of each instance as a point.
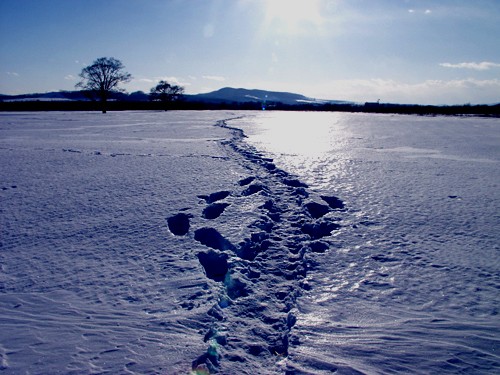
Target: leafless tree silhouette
(166, 93)
(103, 77)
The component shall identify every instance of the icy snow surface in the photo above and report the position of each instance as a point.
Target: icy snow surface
(170, 243)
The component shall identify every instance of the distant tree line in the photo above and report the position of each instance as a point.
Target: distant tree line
(128, 104)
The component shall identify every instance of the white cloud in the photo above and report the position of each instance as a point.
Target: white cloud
(147, 80)
(215, 78)
(413, 11)
(484, 65)
(173, 80)
(13, 74)
(70, 77)
(146, 83)
(169, 79)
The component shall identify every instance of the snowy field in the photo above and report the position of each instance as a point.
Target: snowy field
(319, 243)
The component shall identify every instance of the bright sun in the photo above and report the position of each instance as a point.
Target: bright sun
(293, 16)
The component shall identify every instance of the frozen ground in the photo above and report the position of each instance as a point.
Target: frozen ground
(151, 242)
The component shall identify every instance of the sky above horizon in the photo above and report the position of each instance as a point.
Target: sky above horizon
(404, 51)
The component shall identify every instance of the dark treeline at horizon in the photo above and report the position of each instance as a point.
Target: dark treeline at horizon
(467, 109)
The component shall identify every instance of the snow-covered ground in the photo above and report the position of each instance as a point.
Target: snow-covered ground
(411, 282)
(169, 243)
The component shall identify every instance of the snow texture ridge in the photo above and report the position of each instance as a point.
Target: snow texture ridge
(259, 277)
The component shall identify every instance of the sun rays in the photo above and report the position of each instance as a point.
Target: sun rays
(292, 17)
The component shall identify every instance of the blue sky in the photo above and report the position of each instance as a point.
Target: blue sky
(406, 51)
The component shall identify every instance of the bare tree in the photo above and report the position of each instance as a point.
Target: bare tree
(166, 93)
(103, 77)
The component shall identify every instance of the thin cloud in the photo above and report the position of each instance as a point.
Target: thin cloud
(13, 74)
(173, 80)
(169, 79)
(146, 83)
(215, 78)
(70, 77)
(147, 80)
(413, 11)
(484, 65)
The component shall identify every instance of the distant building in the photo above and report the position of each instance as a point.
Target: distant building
(372, 104)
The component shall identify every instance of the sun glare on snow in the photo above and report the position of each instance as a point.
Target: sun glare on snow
(292, 16)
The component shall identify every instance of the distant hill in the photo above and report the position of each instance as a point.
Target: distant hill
(46, 96)
(224, 95)
(240, 95)
(70, 96)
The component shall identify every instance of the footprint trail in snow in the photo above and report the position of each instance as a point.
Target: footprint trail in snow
(259, 270)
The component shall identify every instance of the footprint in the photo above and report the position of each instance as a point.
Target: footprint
(251, 247)
(293, 182)
(207, 363)
(212, 238)
(71, 150)
(213, 334)
(318, 246)
(11, 187)
(273, 212)
(300, 192)
(215, 264)
(269, 166)
(319, 230)
(179, 224)
(214, 210)
(252, 189)
(236, 287)
(334, 202)
(246, 181)
(317, 210)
